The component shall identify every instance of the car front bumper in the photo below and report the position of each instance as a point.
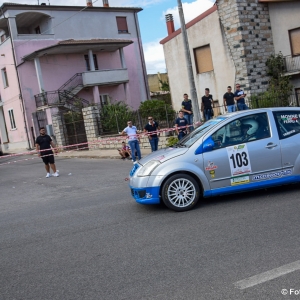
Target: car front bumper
(147, 195)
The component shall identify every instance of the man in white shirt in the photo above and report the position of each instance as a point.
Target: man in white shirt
(133, 140)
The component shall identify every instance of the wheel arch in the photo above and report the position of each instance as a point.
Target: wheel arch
(182, 172)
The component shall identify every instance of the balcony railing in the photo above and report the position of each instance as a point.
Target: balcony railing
(292, 64)
(59, 98)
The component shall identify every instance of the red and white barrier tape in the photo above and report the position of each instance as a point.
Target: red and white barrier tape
(95, 142)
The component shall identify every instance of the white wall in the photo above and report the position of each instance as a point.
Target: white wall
(206, 31)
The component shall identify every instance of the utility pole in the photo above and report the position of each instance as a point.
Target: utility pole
(193, 92)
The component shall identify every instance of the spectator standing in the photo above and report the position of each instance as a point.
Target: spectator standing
(187, 109)
(239, 97)
(153, 136)
(228, 100)
(181, 126)
(44, 142)
(133, 140)
(207, 105)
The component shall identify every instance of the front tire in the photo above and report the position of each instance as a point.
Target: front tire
(180, 192)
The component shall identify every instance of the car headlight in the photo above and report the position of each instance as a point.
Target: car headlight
(148, 168)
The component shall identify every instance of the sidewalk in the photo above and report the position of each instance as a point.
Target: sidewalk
(105, 153)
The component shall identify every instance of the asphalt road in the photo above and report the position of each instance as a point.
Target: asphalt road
(81, 236)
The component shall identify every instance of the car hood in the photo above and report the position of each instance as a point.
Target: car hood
(163, 154)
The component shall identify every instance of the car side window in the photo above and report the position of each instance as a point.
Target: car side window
(242, 130)
(287, 122)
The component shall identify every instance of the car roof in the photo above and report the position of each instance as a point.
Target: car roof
(257, 110)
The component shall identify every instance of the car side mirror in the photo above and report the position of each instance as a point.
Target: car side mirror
(206, 146)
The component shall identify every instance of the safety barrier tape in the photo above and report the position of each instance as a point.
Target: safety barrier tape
(105, 141)
(26, 159)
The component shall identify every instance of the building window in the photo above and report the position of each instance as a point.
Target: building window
(104, 100)
(203, 59)
(122, 25)
(12, 119)
(295, 41)
(4, 77)
(87, 62)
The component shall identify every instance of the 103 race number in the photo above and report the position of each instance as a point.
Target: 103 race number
(239, 159)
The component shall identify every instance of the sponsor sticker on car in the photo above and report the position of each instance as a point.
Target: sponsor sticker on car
(240, 180)
(272, 175)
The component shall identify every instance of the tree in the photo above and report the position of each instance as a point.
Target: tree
(279, 88)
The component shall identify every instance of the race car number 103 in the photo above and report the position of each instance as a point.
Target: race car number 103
(239, 159)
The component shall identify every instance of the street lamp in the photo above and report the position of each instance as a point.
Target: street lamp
(193, 92)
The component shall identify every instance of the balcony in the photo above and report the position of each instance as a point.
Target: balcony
(105, 77)
(292, 65)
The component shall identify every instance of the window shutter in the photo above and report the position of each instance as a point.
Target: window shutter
(122, 24)
(203, 59)
(295, 41)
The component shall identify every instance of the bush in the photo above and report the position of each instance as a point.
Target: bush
(157, 108)
(279, 88)
(172, 140)
(114, 117)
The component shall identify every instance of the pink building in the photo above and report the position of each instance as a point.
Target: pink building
(50, 55)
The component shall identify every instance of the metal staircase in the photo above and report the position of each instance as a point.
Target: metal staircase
(65, 97)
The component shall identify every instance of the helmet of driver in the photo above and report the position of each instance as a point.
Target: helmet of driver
(251, 124)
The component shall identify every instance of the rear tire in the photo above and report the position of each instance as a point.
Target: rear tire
(180, 192)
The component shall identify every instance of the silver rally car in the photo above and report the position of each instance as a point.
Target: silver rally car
(232, 153)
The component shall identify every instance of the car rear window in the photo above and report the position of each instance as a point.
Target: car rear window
(288, 123)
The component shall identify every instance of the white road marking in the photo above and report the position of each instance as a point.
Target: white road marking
(266, 276)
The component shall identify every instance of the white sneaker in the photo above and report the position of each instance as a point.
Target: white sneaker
(48, 175)
(55, 174)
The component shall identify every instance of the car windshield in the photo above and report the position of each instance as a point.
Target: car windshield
(194, 136)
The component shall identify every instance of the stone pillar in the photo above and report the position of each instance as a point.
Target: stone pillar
(247, 28)
(91, 117)
(59, 129)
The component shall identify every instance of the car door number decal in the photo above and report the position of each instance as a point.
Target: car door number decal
(239, 160)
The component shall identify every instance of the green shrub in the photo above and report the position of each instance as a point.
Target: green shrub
(172, 140)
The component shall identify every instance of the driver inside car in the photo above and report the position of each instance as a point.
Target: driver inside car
(249, 129)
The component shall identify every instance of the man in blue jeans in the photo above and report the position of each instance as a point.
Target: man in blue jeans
(181, 126)
(239, 97)
(228, 100)
(133, 140)
(187, 108)
(152, 128)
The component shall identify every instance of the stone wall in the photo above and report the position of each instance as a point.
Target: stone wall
(115, 142)
(247, 28)
(91, 117)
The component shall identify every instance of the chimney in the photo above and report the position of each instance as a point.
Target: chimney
(105, 3)
(170, 23)
(89, 3)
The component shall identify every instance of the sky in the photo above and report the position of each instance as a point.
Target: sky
(151, 19)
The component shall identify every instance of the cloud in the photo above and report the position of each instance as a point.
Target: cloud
(154, 57)
(190, 10)
(112, 3)
(153, 51)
